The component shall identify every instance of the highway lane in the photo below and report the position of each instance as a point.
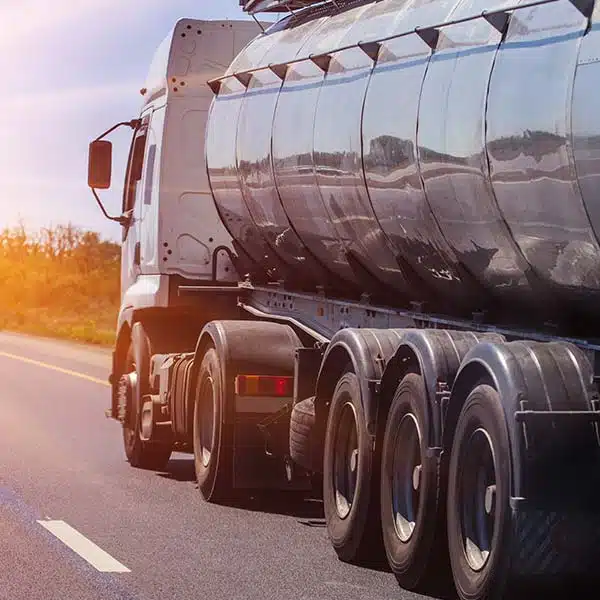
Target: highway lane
(62, 460)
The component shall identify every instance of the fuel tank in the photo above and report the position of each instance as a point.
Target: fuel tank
(436, 151)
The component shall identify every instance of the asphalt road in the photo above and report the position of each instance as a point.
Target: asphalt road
(61, 460)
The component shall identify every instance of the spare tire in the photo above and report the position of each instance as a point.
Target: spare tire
(302, 436)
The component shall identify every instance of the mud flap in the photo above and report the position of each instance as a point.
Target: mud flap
(549, 543)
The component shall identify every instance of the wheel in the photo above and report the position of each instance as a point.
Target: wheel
(478, 516)
(350, 484)
(212, 443)
(409, 488)
(140, 454)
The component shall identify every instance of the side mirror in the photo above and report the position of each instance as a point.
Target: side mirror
(100, 165)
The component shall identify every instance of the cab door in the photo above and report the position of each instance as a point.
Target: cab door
(147, 209)
(132, 200)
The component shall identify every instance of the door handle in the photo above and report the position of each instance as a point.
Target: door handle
(137, 254)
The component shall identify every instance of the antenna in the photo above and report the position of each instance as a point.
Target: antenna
(258, 22)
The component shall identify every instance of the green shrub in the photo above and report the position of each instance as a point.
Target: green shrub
(61, 282)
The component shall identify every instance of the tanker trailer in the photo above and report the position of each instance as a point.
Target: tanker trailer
(403, 301)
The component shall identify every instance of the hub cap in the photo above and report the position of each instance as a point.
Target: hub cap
(126, 393)
(207, 420)
(406, 476)
(477, 485)
(345, 462)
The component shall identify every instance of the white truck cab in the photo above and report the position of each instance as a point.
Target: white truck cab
(171, 228)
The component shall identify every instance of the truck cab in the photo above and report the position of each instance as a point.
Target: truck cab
(171, 231)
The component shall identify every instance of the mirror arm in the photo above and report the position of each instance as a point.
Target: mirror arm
(124, 219)
(121, 220)
(134, 124)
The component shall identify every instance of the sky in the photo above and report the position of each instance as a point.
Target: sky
(70, 70)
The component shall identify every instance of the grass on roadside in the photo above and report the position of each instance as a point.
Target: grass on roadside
(98, 331)
(60, 282)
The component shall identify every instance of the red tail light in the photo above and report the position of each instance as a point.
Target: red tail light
(264, 385)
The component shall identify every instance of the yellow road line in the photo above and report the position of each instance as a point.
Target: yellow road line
(54, 368)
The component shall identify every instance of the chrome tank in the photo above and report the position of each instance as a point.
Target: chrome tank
(466, 175)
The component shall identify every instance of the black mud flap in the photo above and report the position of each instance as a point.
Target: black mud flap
(554, 544)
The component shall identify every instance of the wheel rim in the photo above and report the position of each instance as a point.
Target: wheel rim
(206, 415)
(129, 380)
(406, 476)
(129, 424)
(345, 462)
(477, 485)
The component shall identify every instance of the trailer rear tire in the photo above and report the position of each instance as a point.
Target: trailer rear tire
(211, 438)
(351, 502)
(141, 454)
(478, 514)
(409, 486)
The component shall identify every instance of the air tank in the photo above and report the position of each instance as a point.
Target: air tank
(419, 151)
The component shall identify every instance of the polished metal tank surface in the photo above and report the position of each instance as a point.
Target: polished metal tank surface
(586, 121)
(390, 156)
(223, 168)
(294, 153)
(452, 158)
(529, 145)
(337, 152)
(254, 152)
(461, 168)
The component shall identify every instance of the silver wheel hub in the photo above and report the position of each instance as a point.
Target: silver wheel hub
(126, 394)
(207, 420)
(477, 504)
(345, 460)
(405, 477)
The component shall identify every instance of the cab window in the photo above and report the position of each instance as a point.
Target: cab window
(149, 180)
(135, 166)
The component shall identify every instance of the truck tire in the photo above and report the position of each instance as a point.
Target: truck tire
(478, 515)
(350, 500)
(302, 424)
(141, 454)
(409, 484)
(211, 439)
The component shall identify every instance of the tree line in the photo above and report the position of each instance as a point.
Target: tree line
(61, 281)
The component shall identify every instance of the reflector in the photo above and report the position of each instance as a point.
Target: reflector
(264, 385)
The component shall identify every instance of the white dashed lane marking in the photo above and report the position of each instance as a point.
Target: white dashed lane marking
(98, 558)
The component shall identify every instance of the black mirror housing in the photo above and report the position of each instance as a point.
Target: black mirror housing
(100, 165)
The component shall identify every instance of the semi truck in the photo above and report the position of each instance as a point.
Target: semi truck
(361, 248)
